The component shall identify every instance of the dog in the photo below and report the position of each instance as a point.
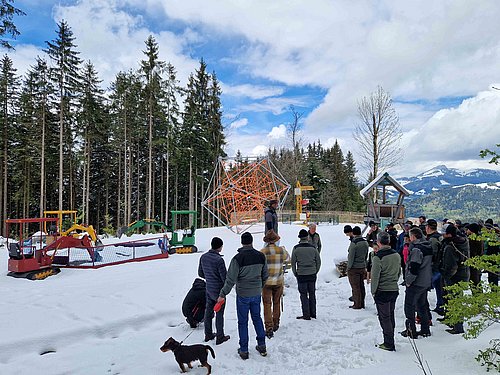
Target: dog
(188, 353)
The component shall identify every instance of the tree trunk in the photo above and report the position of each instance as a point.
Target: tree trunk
(61, 140)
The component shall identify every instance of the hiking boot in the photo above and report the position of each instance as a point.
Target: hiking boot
(453, 331)
(304, 317)
(243, 355)
(209, 337)
(269, 333)
(424, 334)
(221, 339)
(386, 347)
(276, 327)
(261, 349)
(408, 333)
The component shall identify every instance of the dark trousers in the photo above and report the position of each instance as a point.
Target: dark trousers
(437, 284)
(493, 278)
(356, 279)
(307, 290)
(416, 301)
(219, 318)
(386, 302)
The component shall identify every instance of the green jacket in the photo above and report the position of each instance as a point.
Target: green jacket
(358, 250)
(248, 270)
(386, 269)
(305, 259)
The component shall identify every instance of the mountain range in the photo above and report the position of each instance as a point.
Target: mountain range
(448, 192)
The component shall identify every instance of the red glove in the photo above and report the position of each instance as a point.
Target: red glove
(218, 305)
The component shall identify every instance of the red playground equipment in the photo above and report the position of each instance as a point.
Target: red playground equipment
(27, 258)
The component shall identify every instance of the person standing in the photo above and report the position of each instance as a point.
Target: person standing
(422, 223)
(476, 249)
(213, 269)
(455, 252)
(306, 263)
(356, 268)
(271, 217)
(371, 237)
(276, 257)
(418, 280)
(435, 238)
(313, 237)
(384, 287)
(248, 271)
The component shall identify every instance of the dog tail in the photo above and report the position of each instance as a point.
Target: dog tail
(207, 347)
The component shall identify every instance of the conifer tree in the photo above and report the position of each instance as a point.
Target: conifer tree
(7, 25)
(8, 109)
(93, 130)
(65, 74)
(152, 69)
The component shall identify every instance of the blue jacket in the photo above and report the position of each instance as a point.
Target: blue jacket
(213, 269)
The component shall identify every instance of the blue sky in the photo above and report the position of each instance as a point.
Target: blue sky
(438, 61)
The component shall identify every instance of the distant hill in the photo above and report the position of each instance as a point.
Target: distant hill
(442, 177)
(446, 192)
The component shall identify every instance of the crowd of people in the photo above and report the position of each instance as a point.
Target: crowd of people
(425, 257)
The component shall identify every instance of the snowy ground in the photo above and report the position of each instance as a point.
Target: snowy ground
(113, 320)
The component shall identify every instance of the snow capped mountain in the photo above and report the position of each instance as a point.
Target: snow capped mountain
(442, 177)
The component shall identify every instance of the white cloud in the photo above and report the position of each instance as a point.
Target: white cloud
(277, 132)
(251, 91)
(259, 150)
(239, 123)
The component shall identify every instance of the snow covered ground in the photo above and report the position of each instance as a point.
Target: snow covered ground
(113, 320)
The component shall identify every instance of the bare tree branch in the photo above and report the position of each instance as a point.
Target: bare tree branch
(378, 133)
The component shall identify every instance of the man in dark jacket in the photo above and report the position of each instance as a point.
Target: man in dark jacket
(435, 239)
(371, 237)
(476, 249)
(305, 266)
(393, 233)
(418, 281)
(314, 238)
(193, 306)
(213, 269)
(356, 268)
(385, 276)
(455, 252)
(248, 270)
(271, 217)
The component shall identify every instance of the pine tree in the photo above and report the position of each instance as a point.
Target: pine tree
(65, 75)
(7, 25)
(152, 68)
(8, 108)
(93, 130)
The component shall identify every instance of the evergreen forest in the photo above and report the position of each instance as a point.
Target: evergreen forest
(137, 149)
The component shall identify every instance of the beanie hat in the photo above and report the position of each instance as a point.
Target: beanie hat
(271, 237)
(347, 229)
(432, 224)
(451, 229)
(216, 243)
(303, 233)
(474, 228)
(356, 231)
(246, 238)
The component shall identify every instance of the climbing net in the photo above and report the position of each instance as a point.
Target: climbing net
(240, 190)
